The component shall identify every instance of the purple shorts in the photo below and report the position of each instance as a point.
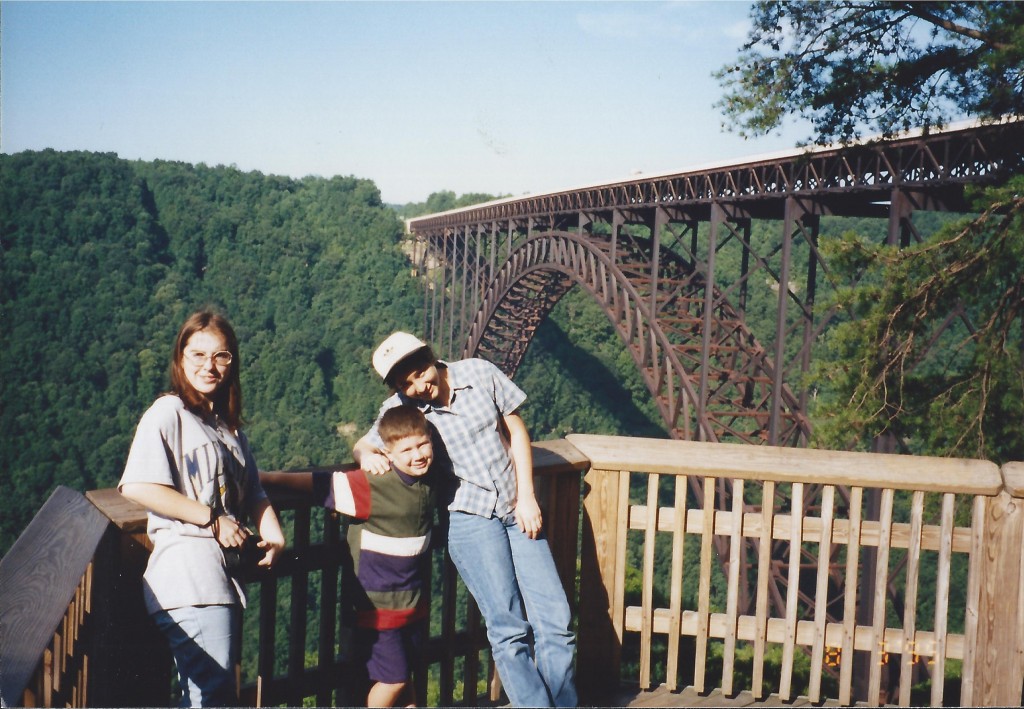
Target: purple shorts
(390, 654)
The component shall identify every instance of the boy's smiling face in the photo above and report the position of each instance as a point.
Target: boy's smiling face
(412, 455)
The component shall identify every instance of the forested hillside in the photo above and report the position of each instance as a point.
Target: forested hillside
(101, 259)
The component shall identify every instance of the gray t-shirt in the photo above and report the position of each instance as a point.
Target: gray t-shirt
(174, 447)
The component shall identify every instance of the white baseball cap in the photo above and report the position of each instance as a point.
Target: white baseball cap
(393, 350)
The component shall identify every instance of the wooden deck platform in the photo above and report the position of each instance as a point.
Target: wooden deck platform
(688, 697)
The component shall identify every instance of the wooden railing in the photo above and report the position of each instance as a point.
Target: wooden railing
(73, 627)
(935, 517)
(74, 631)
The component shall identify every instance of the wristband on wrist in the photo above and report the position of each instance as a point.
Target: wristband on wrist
(214, 515)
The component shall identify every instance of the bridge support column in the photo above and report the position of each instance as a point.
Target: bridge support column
(717, 219)
(793, 212)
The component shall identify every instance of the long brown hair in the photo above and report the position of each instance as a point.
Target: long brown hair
(227, 399)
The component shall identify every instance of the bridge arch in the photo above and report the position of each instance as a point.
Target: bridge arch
(668, 333)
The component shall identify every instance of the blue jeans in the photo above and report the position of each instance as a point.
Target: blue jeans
(508, 573)
(206, 644)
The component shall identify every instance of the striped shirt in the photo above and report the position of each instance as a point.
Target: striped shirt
(389, 540)
(471, 434)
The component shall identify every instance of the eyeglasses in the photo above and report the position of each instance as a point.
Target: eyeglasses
(221, 359)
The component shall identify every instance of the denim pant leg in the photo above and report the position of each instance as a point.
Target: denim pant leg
(205, 642)
(479, 547)
(547, 611)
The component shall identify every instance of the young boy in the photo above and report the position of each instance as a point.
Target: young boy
(390, 543)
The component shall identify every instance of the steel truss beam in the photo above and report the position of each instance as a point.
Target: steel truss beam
(855, 176)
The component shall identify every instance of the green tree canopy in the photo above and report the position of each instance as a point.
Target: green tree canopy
(885, 66)
(929, 356)
(101, 259)
(441, 202)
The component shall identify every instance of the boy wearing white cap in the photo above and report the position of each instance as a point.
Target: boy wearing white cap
(495, 536)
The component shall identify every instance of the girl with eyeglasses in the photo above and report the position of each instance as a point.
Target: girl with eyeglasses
(190, 466)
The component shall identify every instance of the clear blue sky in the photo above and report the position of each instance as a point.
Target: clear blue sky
(418, 96)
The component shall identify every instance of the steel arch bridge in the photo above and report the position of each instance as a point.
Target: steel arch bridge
(674, 263)
(646, 249)
(734, 369)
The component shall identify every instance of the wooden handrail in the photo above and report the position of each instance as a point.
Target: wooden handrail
(807, 465)
(712, 482)
(39, 579)
(623, 495)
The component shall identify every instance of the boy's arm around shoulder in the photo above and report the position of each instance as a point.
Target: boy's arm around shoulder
(370, 457)
(345, 492)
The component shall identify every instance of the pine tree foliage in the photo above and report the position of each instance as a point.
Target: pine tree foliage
(885, 66)
(927, 345)
(932, 350)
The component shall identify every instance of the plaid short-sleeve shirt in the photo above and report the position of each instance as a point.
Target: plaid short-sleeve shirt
(471, 435)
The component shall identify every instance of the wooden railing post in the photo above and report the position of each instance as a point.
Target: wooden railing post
(599, 636)
(994, 673)
(557, 466)
(132, 665)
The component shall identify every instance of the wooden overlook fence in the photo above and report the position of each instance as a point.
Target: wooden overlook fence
(617, 510)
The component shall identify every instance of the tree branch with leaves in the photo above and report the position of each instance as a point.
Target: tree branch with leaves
(880, 66)
(931, 349)
(928, 345)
